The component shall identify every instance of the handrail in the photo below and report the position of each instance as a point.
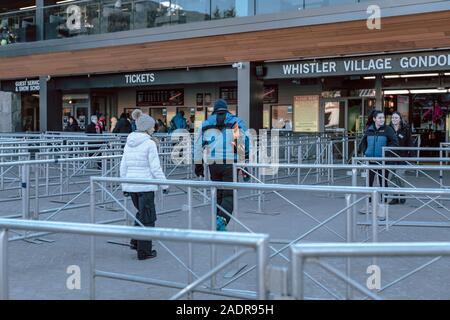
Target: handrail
(258, 242)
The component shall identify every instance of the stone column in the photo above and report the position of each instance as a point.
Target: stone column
(10, 112)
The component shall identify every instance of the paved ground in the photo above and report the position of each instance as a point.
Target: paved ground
(38, 270)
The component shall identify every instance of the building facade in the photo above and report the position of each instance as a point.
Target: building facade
(300, 65)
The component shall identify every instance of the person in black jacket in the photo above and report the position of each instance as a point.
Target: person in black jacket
(73, 125)
(94, 126)
(404, 140)
(124, 125)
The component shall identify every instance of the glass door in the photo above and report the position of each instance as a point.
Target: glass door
(334, 117)
(76, 105)
(354, 116)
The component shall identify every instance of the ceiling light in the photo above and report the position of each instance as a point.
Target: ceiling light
(420, 75)
(396, 92)
(429, 91)
(26, 8)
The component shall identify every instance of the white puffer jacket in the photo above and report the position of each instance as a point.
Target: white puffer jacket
(140, 160)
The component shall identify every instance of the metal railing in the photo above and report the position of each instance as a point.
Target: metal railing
(254, 242)
(314, 252)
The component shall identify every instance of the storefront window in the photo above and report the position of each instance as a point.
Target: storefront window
(282, 117)
(429, 113)
(270, 6)
(334, 115)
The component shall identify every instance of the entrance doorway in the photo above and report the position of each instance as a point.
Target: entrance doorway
(347, 114)
(104, 104)
(76, 105)
(30, 112)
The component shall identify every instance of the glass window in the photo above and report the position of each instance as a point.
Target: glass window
(221, 9)
(354, 116)
(308, 4)
(282, 117)
(270, 6)
(334, 115)
(190, 11)
(68, 20)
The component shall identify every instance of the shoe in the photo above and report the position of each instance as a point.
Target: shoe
(145, 256)
(394, 201)
(363, 210)
(221, 224)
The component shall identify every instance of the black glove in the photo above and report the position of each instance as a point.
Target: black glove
(166, 191)
(199, 170)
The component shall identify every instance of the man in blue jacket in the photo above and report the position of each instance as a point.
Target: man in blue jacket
(225, 137)
(178, 122)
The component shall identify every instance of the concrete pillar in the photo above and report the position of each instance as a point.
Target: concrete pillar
(50, 106)
(43, 103)
(250, 96)
(10, 112)
(379, 92)
(40, 19)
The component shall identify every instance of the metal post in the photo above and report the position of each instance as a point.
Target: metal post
(213, 228)
(4, 289)
(36, 189)
(297, 264)
(348, 198)
(92, 244)
(25, 187)
(261, 257)
(374, 220)
(190, 253)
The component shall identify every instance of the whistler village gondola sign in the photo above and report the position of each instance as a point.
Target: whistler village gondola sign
(395, 63)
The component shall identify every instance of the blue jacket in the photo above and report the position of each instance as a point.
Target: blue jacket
(178, 122)
(224, 150)
(375, 139)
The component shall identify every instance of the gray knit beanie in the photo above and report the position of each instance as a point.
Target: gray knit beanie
(143, 121)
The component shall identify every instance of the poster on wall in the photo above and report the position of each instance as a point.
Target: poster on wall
(403, 107)
(306, 113)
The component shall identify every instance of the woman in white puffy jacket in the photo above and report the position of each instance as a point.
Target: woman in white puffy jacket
(141, 160)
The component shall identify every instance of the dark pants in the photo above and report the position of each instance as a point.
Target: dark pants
(223, 172)
(383, 182)
(144, 202)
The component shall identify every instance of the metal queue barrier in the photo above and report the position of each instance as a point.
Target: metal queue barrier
(256, 243)
(348, 212)
(315, 253)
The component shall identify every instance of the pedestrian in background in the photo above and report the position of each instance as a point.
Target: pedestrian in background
(113, 123)
(403, 134)
(124, 125)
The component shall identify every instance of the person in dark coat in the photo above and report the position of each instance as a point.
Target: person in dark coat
(403, 134)
(94, 126)
(73, 125)
(124, 125)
